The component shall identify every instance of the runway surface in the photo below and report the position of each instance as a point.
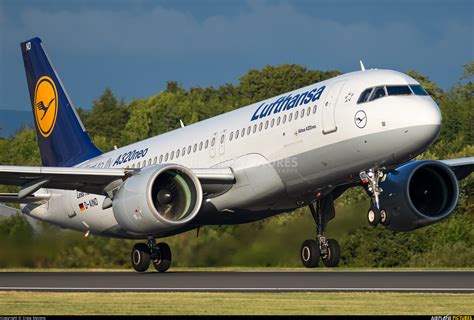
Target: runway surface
(346, 281)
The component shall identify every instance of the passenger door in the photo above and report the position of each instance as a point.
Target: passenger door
(329, 107)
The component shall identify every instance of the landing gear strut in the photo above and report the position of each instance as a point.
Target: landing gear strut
(159, 254)
(325, 249)
(371, 178)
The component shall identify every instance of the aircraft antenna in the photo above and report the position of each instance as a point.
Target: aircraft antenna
(361, 66)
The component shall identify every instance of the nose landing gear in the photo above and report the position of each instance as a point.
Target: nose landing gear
(371, 179)
(159, 254)
(323, 249)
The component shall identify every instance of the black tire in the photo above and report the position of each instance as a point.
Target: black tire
(310, 253)
(384, 217)
(140, 257)
(163, 261)
(373, 216)
(333, 254)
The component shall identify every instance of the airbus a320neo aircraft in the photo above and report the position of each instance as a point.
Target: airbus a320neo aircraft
(301, 148)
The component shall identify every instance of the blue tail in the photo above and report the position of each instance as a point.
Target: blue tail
(62, 138)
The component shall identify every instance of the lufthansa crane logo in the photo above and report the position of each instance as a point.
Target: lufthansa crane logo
(46, 105)
(360, 119)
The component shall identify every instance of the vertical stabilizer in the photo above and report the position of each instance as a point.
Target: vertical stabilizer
(62, 139)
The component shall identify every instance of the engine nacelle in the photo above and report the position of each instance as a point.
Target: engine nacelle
(158, 198)
(418, 194)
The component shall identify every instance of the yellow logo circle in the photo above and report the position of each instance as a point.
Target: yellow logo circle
(46, 105)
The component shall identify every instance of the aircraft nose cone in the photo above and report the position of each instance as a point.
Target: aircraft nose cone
(432, 113)
(429, 125)
(432, 118)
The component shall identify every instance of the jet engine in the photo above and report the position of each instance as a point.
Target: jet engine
(418, 194)
(158, 198)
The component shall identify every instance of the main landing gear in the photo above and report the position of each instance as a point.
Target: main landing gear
(370, 179)
(159, 254)
(323, 249)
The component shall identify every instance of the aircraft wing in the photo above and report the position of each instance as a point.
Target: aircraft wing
(91, 180)
(461, 167)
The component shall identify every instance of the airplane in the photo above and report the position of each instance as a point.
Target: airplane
(301, 148)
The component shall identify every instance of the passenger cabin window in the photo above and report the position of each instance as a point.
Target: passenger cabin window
(154, 160)
(379, 92)
(254, 128)
(206, 144)
(172, 155)
(161, 158)
(364, 96)
(200, 146)
(418, 90)
(177, 153)
(231, 136)
(398, 90)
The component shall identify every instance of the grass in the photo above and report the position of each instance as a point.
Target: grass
(304, 303)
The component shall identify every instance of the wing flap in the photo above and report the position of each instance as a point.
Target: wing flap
(90, 180)
(14, 198)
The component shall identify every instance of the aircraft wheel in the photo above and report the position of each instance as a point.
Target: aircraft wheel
(163, 260)
(333, 255)
(384, 217)
(373, 216)
(310, 253)
(140, 257)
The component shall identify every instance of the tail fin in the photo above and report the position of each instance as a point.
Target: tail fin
(62, 138)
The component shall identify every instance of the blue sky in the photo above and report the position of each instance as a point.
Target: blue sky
(134, 47)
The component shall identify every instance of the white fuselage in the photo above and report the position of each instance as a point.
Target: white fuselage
(280, 159)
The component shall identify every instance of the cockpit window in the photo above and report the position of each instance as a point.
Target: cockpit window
(418, 90)
(364, 96)
(398, 90)
(379, 92)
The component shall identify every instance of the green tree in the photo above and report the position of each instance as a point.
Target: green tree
(107, 119)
